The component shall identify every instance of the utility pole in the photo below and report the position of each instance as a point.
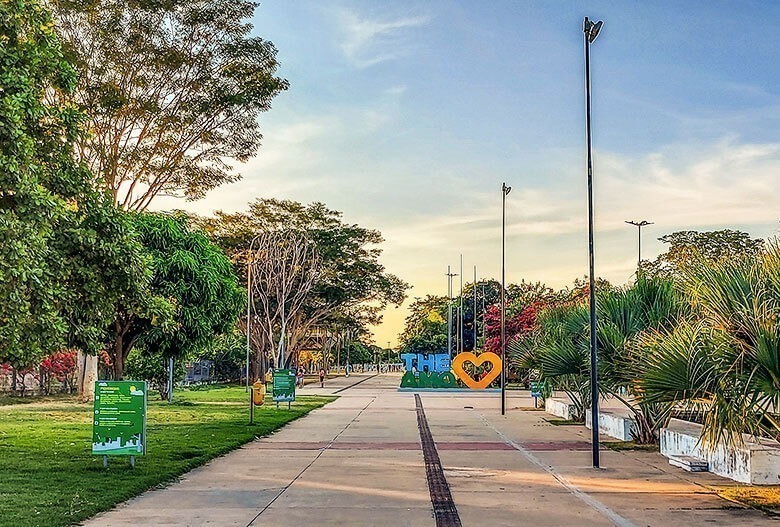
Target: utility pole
(639, 225)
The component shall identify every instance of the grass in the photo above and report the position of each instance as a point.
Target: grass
(48, 475)
(766, 498)
(7, 400)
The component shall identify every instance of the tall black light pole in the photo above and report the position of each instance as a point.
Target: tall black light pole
(591, 30)
(639, 225)
(504, 191)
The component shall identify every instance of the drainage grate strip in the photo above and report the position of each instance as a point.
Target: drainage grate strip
(443, 507)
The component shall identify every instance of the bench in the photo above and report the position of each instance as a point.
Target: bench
(753, 462)
(560, 408)
(689, 463)
(613, 424)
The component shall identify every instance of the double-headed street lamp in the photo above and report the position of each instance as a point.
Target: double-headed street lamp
(591, 30)
(504, 191)
(639, 225)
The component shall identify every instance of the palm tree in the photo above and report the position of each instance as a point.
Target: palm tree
(726, 364)
(625, 317)
(560, 348)
(558, 351)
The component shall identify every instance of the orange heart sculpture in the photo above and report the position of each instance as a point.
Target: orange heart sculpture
(462, 358)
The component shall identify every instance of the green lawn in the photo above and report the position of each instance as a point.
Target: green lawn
(48, 476)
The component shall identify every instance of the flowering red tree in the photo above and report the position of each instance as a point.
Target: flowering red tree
(60, 366)
(519, 324)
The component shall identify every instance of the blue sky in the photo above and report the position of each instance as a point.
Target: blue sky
(407, 116)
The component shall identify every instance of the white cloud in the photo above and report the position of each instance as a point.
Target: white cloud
(368, 42)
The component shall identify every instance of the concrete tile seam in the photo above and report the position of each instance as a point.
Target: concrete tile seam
(309, 465)
(614, 517)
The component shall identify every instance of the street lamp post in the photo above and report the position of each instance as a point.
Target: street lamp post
(249, 304)
(504, 191)
(591, 30)
(639, 225)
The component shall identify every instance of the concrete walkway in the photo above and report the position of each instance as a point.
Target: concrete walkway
(358, 461)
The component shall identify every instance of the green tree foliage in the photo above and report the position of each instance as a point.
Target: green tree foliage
(725, 362)
(353, 286)
(559, 346)
(173, 92)
(67, 254)
(152, 365)
(689, 247)
(193, 293)
(228, 352)
(425, 328)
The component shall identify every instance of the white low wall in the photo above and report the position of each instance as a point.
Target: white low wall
(559, 407)
(613, 424)
(757, 464)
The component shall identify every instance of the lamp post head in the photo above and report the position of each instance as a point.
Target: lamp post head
(505, 189)
(592, 29)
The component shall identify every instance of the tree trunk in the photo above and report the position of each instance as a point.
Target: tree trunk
(86, 375)
(43, 385)
(13, 380)
(119, 352)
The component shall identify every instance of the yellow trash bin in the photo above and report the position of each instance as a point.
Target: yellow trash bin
(258, 393)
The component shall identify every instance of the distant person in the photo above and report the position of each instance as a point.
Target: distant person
(300, 377)
(322, 378)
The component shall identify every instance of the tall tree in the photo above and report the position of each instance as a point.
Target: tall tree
(353, 286)
(192, 295)
(173, 92)
(67, 253)
(425, 330)
(283, 268)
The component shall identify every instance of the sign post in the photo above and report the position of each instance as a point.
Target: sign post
(536, 392)
(284, 387)
(119, 419)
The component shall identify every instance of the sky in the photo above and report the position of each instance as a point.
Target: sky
(407, 116)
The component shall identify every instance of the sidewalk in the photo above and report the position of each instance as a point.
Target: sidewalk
(358, 461)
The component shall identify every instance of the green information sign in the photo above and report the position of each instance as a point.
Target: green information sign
(119, 424)
(284, 386)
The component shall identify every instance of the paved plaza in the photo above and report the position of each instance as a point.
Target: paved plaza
(360, 461)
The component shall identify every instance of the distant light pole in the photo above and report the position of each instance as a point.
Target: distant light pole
(639, 225)
(504, 191)
(449, 312)
(591, 30)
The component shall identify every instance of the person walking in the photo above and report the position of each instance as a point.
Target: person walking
(322, 378)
